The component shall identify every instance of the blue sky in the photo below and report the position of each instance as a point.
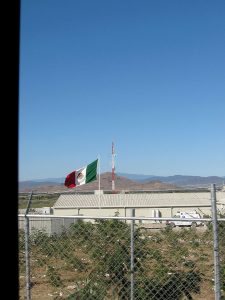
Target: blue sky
(148, 75)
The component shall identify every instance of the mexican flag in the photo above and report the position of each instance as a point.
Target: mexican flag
(82, 176)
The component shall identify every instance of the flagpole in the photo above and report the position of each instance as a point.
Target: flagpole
(99, 181)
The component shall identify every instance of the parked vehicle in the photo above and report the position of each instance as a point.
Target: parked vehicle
(185, 215)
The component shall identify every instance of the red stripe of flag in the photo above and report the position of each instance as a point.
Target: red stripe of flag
(70, 180)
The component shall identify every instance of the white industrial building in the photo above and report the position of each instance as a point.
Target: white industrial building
(146, 204)
(149, 204)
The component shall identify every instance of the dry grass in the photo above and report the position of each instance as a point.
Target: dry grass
(168, 251)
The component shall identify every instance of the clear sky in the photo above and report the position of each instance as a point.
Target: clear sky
(148, 75)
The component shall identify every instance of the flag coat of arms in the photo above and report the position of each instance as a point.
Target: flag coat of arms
(82, 176)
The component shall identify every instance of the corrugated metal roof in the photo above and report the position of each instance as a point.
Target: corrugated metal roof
(134, 200)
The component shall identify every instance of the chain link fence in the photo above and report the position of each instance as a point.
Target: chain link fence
(118, 258)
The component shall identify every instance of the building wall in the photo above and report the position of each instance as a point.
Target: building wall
(47, 225)
(166, 212)
(65, 212)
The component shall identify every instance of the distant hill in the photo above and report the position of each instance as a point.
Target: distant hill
(29, 184)
(179, 180)
(186, 181)
(128, 182)
(136, 177)
(121, 183)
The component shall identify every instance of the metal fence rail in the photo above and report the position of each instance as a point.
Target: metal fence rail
(119, 258)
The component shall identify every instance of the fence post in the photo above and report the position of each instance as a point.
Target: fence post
(27, 258)
(132, 255)
(215, 244)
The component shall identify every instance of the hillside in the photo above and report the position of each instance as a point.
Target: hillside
(121, 183)
(124, 181)
(182, 180)
(178, 180)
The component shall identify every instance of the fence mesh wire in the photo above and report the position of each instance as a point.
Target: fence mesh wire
(91, 259)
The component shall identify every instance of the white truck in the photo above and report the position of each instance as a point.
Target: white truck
(188, 216)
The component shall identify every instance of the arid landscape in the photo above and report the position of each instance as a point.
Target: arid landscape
(121, 183)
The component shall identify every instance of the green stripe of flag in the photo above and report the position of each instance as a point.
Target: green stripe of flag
(91, 173)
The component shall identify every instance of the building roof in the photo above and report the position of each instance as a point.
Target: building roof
(136, 200)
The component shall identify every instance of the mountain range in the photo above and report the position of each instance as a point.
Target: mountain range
(180, 180)
(124, 181)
